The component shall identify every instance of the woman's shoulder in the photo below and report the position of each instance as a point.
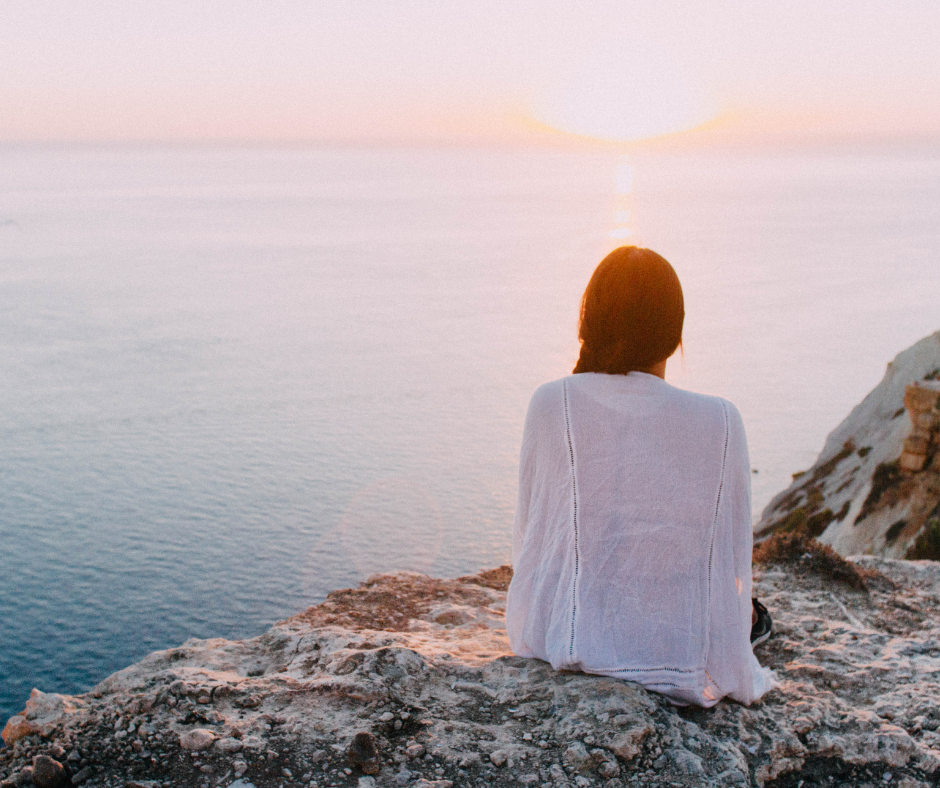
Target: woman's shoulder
(623, 389)
(552, 394)
(709, 401)
(721, 411)
(548, 397)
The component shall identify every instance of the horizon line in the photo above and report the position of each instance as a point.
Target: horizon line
(677, 142)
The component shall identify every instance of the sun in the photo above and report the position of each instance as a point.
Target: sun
(626, 89)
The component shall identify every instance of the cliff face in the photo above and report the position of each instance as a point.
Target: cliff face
(408, 681)
(875, 488)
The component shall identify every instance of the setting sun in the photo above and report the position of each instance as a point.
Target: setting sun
(627, 90)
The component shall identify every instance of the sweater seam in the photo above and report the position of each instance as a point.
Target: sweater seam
(714, 529)
(721, 692)
(655, 670)
(574, 520)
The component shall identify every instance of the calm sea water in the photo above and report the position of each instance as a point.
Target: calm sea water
(232, 380)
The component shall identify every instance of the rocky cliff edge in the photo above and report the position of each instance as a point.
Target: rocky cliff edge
(408, 681)
(875, 487)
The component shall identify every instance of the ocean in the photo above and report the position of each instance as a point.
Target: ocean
(233, 379)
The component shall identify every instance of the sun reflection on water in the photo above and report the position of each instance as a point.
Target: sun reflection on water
(623, 190)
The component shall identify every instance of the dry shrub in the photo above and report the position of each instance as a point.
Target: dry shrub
(800, 551)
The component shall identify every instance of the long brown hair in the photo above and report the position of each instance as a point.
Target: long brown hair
(631, 313)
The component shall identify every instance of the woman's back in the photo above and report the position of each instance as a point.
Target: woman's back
(632, 542)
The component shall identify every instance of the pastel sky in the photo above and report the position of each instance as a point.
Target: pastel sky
(402, 70)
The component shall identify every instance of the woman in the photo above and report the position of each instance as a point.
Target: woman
(632, 539)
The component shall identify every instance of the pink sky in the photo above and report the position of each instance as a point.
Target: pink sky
(373, 71)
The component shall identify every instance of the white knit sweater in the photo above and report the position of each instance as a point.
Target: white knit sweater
(632, 540)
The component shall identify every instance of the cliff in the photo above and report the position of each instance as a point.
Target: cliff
(408, 681)
(875, 488)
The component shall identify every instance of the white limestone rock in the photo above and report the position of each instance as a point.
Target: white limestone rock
(857, 497)
(448, 703)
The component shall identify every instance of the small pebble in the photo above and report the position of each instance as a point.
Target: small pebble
(498, 758)
(48, 773)
(196, 739)
(363, 753)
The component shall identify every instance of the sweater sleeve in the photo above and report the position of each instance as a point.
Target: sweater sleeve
(732, 668)
(519, 597)
(526, 468)
(543, 491)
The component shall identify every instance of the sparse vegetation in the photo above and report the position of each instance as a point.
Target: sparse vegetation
(814, 497)
(848, 448)
(809, 495)
(800, 551)
(794, 522)
(804, 522)
(821, 471)
(847, 483)
(886, 476)
(816, 524)
(843, 511)
(892, 534)
(927, 545)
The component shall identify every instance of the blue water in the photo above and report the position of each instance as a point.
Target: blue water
(233, 379)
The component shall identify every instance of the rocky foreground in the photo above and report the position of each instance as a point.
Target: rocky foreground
(408, 681)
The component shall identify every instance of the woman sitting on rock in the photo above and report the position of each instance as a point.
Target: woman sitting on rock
(632, 539)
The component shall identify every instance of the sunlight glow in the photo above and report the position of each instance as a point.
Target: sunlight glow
(624, 178)
(626, 90)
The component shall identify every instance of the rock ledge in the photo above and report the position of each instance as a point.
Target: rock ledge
(408, 681)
